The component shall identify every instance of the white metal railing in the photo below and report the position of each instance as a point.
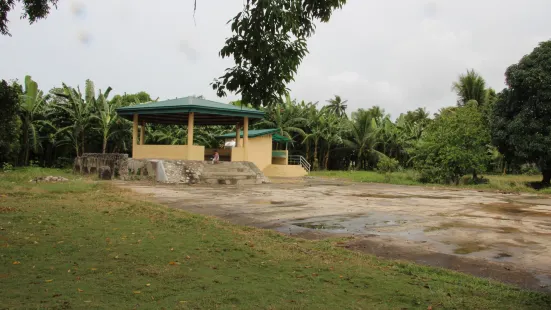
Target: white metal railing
(299, 160)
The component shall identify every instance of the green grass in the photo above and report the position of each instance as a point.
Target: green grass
(508, 183)
(87, 244)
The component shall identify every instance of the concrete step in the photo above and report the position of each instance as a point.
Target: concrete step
(232, 181)
(218, 174)
(226, 169)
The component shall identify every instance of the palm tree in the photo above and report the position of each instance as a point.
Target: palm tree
(33, 101)
(337, 106)
(470, 86)
(363, 137)
(106, 116)
(332, 133)
(285, 117)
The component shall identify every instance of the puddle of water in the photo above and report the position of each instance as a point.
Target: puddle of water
(277, 203)
(391, 196)
(502, 255)
(545, 280)
(323, 226)
(354, 224)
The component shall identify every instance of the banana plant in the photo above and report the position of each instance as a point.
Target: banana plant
(32, 103)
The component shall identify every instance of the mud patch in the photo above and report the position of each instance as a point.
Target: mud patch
(7, 209)
(469, 247)
(465, 225)
(511, 208)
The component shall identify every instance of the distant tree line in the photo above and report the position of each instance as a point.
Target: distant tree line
(485, 132)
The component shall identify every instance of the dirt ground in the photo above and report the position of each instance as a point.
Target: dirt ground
(506, 237)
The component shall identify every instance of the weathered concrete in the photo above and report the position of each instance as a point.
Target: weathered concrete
(194, 172)
(104, 173)
(89, 163)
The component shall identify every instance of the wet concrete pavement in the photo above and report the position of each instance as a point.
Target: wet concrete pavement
(502, 236)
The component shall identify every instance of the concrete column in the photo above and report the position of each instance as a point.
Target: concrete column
(246, 138)
(135, 130)
(237, 135)
(245, 132)
(190, 120)
(142, 133)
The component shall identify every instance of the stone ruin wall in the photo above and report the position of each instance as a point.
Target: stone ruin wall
(90, 163)
(122, 167)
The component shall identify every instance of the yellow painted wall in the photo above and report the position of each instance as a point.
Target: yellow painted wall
(284, 171)
(281, 160)
(196, 152)
(259, 151)
(238, 154)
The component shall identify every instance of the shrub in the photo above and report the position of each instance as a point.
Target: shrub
(529, 169)
(387, 165)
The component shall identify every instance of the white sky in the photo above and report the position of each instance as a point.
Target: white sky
(398, 54)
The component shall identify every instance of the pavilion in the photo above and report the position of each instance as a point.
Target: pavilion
(200, 112)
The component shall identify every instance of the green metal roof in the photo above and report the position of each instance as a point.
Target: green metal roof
(252, 133)
(279, 138)
(258, 133)
(163, 111)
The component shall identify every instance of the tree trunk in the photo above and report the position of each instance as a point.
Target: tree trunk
(316, 163)
(104, 144)
(327, 159)
(546, 181)
(82, 142)
(26, 143)
(308, 151)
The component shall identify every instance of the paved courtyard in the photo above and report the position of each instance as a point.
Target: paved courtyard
(497, 235)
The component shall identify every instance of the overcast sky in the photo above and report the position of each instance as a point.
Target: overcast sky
(398, 54)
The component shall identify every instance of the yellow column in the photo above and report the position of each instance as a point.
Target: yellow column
(142, 133)
(245, 132)
(190, 128)
(246, 137)
(237, 135)
(134, 134)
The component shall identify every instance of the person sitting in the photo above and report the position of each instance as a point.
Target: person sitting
(216, 157)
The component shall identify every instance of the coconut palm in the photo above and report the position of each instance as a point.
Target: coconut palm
(470, 86)
(331, 134)
(337, 106)
(363, 137)
(32, 103)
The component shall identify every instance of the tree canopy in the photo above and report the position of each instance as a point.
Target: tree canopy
(521, 116)
(33, 10)
(456, 143)
(267, 46)
(9, 122)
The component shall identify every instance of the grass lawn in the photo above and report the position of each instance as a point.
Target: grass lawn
(510, 183)
(88, 244)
